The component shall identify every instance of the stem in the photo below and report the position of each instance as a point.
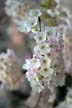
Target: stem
(38, 100)
(39, 20)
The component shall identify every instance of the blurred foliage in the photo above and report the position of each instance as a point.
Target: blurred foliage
(49, 4)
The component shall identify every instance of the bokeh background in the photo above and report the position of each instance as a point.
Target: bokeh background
(10, 37)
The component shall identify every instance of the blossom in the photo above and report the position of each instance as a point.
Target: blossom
(36, 50)
(31, 63)
(34, 82)
(46, 72)
(10, 70)
(45, 61)
(40, 37)
(51, 31)
(35, 62)
(27, 64)
(32, 21)
(27, 25)
(11, 7)
(35, 13)
(42, 48)
(23, 27)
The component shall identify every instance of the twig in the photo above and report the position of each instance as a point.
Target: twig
(38, 100)
(39, 19)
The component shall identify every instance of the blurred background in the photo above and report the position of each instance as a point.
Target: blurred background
(10, 37)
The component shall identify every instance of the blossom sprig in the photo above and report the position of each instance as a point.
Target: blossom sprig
(38, 67)
(47, 61)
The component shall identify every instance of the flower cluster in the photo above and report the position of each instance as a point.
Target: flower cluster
(47, 61)
(38, 67)
(10, 70)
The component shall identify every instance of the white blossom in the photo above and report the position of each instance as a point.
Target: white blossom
(35, 13)
(45, 61)
(35, 62)
(11, 7)
(10, 70)
(33, 21)
(42, 48)
(27, 25)
(40, 37)
(51, 31)
(27, 65)
(46, 71)
(24, 27)
(31, 63)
